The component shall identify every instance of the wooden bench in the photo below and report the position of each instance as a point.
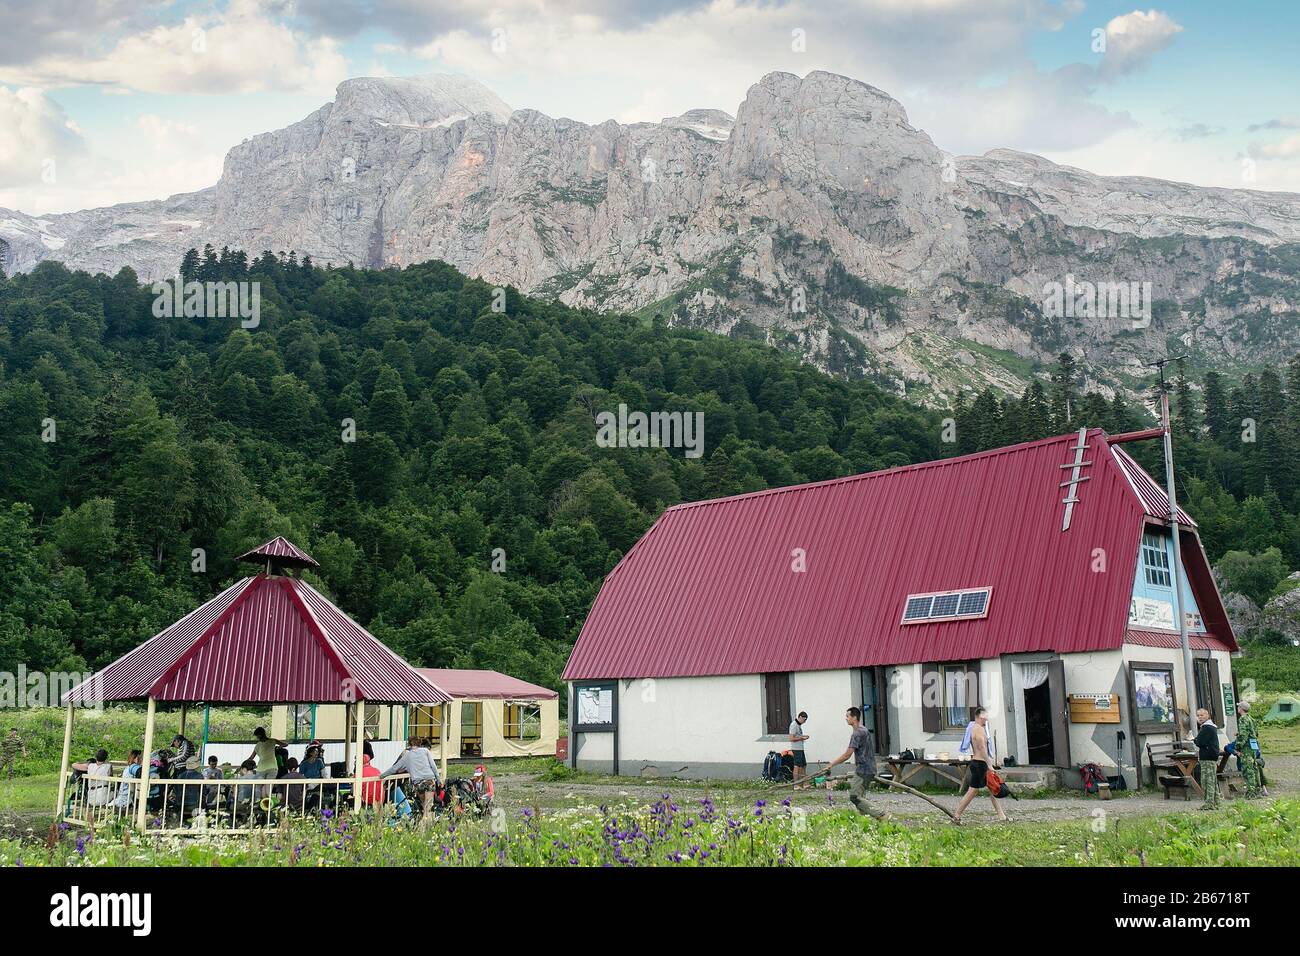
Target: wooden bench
(1163, 769)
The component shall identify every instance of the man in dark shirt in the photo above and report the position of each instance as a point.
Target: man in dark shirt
(1207, 749)
(863, 752)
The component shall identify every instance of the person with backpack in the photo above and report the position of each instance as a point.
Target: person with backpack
(1207, 752)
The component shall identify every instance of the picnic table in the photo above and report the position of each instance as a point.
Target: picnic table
(956, 769)
(1186, 763)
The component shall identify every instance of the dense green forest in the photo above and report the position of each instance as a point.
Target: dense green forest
(130, 441)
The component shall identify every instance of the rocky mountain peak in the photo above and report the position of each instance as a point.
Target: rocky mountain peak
(817, 219)
(416, 101)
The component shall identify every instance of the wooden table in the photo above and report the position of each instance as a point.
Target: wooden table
(1186, 765)
(905, 769)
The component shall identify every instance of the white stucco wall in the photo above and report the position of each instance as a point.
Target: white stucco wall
(713, 726)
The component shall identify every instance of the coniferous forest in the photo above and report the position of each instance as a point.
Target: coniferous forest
(472, 519)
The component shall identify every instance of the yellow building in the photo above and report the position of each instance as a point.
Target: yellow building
(490, 715)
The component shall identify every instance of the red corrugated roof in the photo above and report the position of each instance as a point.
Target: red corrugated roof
(281, 552)
(266, 639)
(1172, 639)
(1153, 497)
(485, 684)
(709, 588)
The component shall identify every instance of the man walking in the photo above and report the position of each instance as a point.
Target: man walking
(981, 760)
(863, 752)
(797, 737)
(1207, 751)
(1247, 749)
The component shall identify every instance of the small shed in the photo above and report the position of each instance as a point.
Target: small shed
(490, 715)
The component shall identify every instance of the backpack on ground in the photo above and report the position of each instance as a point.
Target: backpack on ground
(773, 769)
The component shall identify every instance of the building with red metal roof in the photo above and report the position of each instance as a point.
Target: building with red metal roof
(1038, 573)
(490, 715)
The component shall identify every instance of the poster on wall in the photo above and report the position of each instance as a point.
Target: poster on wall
(595, 706)
(1153, 692)
(1145, 612)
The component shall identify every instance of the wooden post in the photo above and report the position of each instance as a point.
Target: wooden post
(63, 765)
(442, 740)
(207, 718)
(142, 809)
(185, 709)
(361, 736)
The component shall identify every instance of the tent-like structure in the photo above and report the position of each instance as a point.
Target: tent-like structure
(267, 639)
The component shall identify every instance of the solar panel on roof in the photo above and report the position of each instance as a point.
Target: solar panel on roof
(945, 605)
(973, 602)
(918, 608)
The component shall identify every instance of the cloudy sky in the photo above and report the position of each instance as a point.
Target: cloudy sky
(106, 101)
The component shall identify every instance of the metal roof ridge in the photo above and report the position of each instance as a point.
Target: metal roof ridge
(329, 641)
(206, 636)
(123, 656)
(314, 626)
(897, 469)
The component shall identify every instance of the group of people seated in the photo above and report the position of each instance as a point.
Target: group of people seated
(94, 787)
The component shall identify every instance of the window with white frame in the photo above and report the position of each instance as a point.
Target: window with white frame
(1155, 561)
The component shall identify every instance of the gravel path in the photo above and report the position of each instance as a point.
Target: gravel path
(519, 791)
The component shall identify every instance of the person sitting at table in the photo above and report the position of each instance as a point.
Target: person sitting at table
(98, 771)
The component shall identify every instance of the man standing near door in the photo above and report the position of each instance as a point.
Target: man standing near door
(981, 760)
(797, 737)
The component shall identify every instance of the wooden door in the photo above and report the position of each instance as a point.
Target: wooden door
(1060, 713)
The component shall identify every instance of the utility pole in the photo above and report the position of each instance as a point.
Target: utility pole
(1189, 673)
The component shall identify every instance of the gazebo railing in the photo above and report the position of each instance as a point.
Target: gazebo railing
(100, 801)
(233, 805)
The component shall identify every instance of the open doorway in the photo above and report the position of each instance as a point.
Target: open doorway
(1038, 725)
(1042, 713)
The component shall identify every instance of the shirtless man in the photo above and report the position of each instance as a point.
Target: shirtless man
(979, 766)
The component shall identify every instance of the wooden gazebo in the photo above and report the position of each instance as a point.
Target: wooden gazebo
(267, 639)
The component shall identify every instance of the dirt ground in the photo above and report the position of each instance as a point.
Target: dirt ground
(526, 790)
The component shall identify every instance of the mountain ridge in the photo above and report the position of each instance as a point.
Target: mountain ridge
(817, 218)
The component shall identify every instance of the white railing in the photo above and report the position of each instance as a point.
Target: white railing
(236, 805)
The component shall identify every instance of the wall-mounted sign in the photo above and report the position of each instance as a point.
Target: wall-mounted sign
(1145, 612)
(594, 707)
(1229, 700)
(1094, 708)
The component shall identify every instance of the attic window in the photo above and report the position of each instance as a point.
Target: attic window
(1155, 561)
(947, 605)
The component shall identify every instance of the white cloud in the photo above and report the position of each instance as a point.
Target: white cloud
(1288, 148)
(1134, 38)
(38, 138)
(238, 50)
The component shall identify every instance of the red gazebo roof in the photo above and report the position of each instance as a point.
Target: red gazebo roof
(282, 552)
(266, 639)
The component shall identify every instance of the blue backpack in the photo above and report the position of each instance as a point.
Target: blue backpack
(772, 767)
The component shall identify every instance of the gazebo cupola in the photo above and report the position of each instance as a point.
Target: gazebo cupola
(277, 555)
